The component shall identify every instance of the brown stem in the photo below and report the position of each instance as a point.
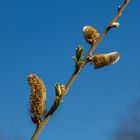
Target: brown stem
(41, 125)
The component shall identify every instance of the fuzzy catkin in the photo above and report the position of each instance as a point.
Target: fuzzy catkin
(37, 98)
(101, 60)
(90, 34)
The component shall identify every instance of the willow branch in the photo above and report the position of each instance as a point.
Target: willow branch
(41, 125)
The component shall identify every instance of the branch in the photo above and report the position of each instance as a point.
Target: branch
(41, 125)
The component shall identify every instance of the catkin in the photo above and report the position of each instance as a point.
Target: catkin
(90, 34)
(101, 60)
(37, 98)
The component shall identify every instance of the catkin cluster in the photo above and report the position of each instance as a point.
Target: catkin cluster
(37, 98)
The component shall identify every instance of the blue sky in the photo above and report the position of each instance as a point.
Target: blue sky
(40, 37)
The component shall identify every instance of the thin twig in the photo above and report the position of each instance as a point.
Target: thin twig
(41, 125)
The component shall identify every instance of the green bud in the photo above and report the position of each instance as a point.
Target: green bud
(78, 57)
(57, 100)
(58, 90)
(79, 53)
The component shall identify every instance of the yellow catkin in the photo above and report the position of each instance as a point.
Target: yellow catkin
(37, 98)
(90, 34)
(101, 60)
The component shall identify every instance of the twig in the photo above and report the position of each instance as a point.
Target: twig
(41, 125)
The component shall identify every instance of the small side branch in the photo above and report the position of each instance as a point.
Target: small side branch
(41, 125)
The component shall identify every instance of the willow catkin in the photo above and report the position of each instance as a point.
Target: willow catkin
(90, 34)
(37, 98)
(101, 60)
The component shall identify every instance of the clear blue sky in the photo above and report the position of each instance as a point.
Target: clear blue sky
(40, 37)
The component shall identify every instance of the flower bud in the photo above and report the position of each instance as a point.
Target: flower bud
(90, 34)
(59, 89)
(115, 24)
(101, 60)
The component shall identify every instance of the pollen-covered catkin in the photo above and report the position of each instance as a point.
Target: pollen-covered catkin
(90, 34)
(37, 98)
(101, 60)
